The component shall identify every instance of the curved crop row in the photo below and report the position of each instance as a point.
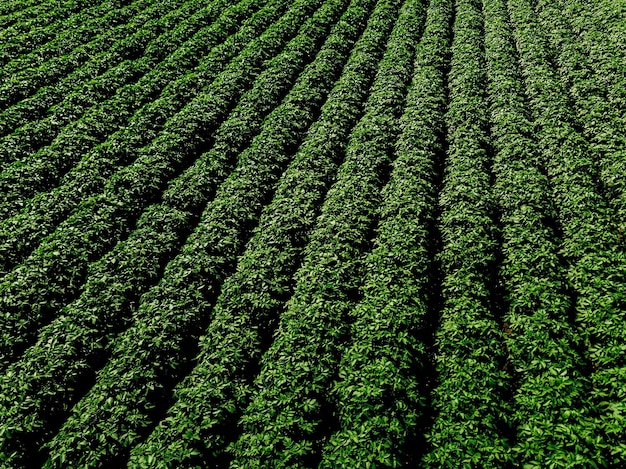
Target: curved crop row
(20, 234)
(602, 119)
(35, 26)
(122, 23)
(60, 39)
(612, 15)
(35, 121)
(597, 267)
(121, 405)
(601, 43)
(203, 420)
(118, 280)
(41, 116)
(380, 393)
(125, 49)
(285, 422)
(17, 8)
(551, 413)
(51, 276)
(468, 430)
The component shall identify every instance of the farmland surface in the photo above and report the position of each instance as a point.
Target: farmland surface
(313, 233)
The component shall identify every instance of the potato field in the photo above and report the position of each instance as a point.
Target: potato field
(313, 234)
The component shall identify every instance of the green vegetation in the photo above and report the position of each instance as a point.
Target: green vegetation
(469, 428)
(312, 233)
(541, 339)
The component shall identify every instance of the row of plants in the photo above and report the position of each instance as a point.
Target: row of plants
(23, 142)
(612, 15)
(552, 416)
(381, 392)
(594, 100)
(116, 282)
(21, 233)
(203, 420)
(156, 351)
(17, 8)
(469, 398)
(596, 264)
(35, 290)
(598, 30)
(20, 146)
(58, 39)
(122, 22)
(37, 25)
(39, 118)
(288, 418)
(161, 88)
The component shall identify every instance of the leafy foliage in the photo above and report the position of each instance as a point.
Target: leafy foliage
(108, 217)
(598, 90)
(380, 394)
(312, 233)
(116, 282)
(19, 84)
(204, 417)
(286, 422)
(596, 262)
(44, 212)
(550, 407)
(470, 429)
(26, 27)
(172, 314)
(41, 116)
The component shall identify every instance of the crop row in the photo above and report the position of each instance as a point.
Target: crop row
(203, 420)
(603, 43)
(18, 148)
(16, 8)
(122, 22)
(117, 281)
(312, 233)
(285, 423)
(39, 118)
(60, 39)
(611, 15)
(597, 105)
(52, 275)
(596, 264)
(552, 418)
(20, 234)
(470, 395)
(35, 26)
(116, 49)
(170, 317)
(381, 391)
